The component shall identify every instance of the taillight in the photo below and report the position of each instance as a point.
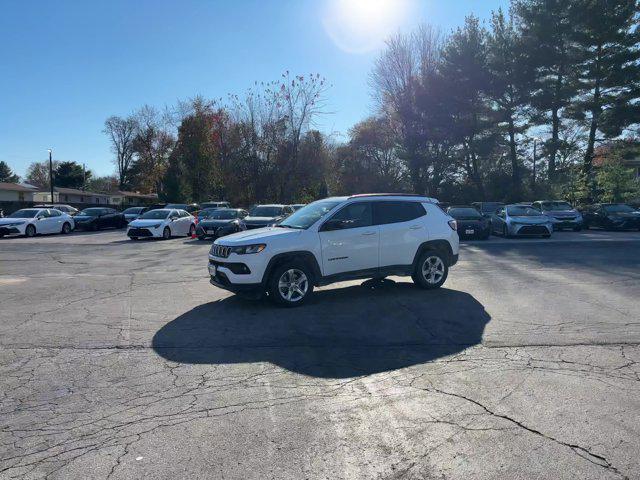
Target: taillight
(453, 224)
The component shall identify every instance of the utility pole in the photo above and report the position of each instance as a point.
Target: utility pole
(535, 159)
(51, 175)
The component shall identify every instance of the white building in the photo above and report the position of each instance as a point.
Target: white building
(13, 192)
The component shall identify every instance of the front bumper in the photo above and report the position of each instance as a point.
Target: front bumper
(84, 225)
(140, 232)
(560, 223)
(524, 230)
(255, 266)
(214, 232)
(11, 231)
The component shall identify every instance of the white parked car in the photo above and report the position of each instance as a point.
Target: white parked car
(34, 221)
(162, 223)
(336, 239)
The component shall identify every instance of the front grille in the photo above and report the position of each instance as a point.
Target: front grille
(220, 251)
(139, 232)
(533, 230)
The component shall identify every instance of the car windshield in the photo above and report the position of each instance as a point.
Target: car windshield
(223, 214)
(308, 215)
(522, 211)
(133, 210)
(181, 206)
(24, 213)
(91, 212)
(155, 215)
(465, 212)
(213, 205)
(265, 211)
(556, 206)
(619, 208)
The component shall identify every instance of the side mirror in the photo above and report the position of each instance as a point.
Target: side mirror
(334, 224)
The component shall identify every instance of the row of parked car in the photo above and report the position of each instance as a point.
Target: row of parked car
(210, 219)
(218, 219)
(540, 218)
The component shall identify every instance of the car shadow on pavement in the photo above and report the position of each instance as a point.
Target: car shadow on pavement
(343, 332)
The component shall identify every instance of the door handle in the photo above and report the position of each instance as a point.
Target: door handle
(369, 233)
(415, 227)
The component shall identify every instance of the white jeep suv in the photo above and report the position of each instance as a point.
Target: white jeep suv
(336, 239)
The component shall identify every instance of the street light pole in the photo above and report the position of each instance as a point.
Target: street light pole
(51, 175)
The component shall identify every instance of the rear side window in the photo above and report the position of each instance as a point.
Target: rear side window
(396, 212)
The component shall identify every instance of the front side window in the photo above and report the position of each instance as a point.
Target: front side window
(396, 212)
(355, 215)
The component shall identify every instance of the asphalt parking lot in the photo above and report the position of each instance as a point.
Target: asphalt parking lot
(119, 360)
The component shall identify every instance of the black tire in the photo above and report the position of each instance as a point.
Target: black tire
(66, 228)
(94, 227)
(284, 272)
(166, 233)
(30, 231)
(192, 229)
(432, 270)
(134, 238)
(505, 232)
(548, 235)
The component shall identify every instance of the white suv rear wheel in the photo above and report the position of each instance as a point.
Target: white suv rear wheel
(431, 271)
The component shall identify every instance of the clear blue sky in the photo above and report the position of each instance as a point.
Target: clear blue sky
(67, 65)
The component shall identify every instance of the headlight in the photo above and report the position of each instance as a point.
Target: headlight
(12, 224)
(246, 249)
(155, 225)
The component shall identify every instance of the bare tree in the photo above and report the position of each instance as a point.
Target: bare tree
(122, 133)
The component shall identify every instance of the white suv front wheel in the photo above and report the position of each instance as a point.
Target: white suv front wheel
(431, 270)
(290, 284)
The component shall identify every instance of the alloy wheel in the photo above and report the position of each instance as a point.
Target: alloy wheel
(293, 285)
(433, 270)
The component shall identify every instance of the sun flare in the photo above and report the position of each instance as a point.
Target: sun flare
(360, 26)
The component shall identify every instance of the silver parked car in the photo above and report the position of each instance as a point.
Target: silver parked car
(521, 220)
(561, 214)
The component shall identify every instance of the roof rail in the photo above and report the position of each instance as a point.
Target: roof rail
(360, 195)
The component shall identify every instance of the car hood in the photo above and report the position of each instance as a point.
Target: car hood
(83, 218)
(257, 235)
(145, 223)
(215, 223)
(5, 221)
(530, 220)
(624, 215)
